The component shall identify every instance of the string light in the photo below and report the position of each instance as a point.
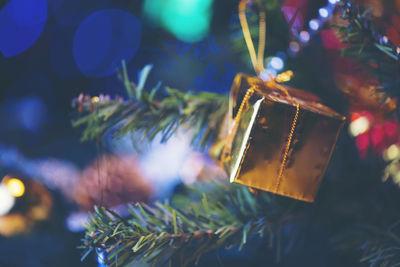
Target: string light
(294, 47)
(6, 200)
(304, 36)
(392, 153)
(323, 12)
(314, 24)
(359, 126)
(16, 187)
(95, 99)
(276, 63)
(266, 74)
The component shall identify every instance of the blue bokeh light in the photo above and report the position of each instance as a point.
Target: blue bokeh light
(304, 36)
(104, 39)
(323, 12)
(29, 113)
(21, 24)
(314, 24)
(276, 63)
(32, 113)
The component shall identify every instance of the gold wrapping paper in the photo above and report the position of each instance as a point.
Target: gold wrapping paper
(261, 139)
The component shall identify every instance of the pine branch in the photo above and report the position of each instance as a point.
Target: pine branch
(379, 247)
(161, 234)
(373, 50)
(151, 112)
(382, 249)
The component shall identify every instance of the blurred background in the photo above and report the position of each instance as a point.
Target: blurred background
(53, 50)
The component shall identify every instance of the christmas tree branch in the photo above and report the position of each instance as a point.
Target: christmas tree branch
(382, 248)
(161, 234)
(373, 50)
(379, 247)
(151, 112)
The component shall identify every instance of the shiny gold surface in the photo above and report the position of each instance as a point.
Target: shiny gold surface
(260, 141)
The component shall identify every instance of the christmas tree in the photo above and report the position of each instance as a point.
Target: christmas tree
(355, 210)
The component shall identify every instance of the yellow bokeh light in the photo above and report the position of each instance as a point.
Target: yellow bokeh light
(16, 187)
(396, 178)
(392, 152)
(359, 126)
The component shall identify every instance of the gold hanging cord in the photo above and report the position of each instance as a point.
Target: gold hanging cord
(256, 60)
(258, 65)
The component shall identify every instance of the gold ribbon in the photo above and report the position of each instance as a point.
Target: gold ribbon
(257, 61)
(258, 65)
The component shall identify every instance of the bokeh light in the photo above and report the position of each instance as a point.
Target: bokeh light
(323, 12)
(191, 168)
(152, 10)
(104, 39)
(21, 24)
(189, 21)
(294, 48)
(276, 63)
(6, 200)
(392, 152)
(29, 113)
(16, 187)
(304, 36)
(32, 113)
(164, 161)
(314, 24)
(267, 74)
(359, 126)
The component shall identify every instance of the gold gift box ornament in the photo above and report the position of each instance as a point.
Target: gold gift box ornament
(280, 139)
